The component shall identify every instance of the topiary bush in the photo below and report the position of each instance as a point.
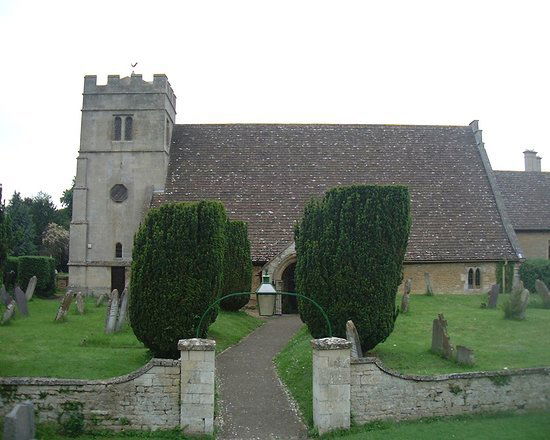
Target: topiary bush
(350, 248)
(534, 269)
(43, 268)
(238, 266)
(177, 272)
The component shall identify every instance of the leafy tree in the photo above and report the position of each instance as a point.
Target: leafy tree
(4, 236)
(22, 230)
(65, 214)
(55, 243)
(238, 266)
(177, 272)
(350, 248)
(43, 212)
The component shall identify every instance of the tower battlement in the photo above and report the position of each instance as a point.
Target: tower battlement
(130, 84)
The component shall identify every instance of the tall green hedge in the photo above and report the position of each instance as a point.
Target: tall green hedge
(350, 248)
(508, 276)
(10, 272)
(238, 266)
(535, 269)
(177, 272)
(43, 268)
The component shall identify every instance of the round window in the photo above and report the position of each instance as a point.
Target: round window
(119, 193)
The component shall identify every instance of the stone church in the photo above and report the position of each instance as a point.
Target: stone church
(134, 156)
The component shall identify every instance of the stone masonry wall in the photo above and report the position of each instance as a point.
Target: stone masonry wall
(448, 277)
(378, 393)
(148, 398)
(534, 244)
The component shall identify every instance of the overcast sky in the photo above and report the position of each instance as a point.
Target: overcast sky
(392, 62)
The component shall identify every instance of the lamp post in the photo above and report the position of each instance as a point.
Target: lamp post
(265, 297)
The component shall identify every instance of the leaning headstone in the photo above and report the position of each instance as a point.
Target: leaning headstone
(109, 303)
(464, 355)
(19, 422)
(544, 293)
(30, 288)
(523, 303)
(4, 297)
(8, 313)
(113, 313)
(21, 301)
(80, 303)
(101, 299)
(64, 306)
(406, 296)
(353, 336)
(428, 281)
(441, 343)
(493, 296)
(123, 310)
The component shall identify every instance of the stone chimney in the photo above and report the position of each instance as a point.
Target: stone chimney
(532, 161)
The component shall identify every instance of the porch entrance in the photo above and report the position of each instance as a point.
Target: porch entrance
(118, 278)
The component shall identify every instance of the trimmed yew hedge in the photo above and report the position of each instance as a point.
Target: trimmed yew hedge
(350, 248)
(44, 270)
(10, 272)
(238, 266)
(177, 272)
(532, 270)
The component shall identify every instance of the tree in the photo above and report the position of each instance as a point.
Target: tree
(177, 272)
(65, 214)
(238, 266)
(43, 212)
(22, 230)
(350, 248)
(55, 243)
(4, 236)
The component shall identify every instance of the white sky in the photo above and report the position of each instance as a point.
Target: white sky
(397, 62)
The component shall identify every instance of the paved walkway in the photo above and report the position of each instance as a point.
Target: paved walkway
(252, 402)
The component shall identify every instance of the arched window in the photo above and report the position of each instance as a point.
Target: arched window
(128, 122)
(471, 279)
(118, 250)
(478, 278)
(118, 128)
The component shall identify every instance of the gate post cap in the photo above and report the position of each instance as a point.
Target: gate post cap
(196, 344)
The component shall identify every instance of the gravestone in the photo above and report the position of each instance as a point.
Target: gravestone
(524, 302)
(80, 303)
(464, 355)
(21, 301)
(113, 313)
(8, 313)
(493, 296)
(30, 288)
(64, 306)
(441, 343)
(353, 336)
(101, 299)
(123, 310)
(109, 303)
(544, 293)
(406, 296)
(19, 422)
(4, 297)
(428, 281)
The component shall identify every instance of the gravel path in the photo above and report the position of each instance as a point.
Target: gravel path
(252, 402)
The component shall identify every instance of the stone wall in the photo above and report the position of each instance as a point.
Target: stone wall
(148, 398)
(379, 393)
(448, 277)
(534, 244)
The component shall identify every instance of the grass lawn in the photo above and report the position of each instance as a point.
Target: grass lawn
(497, 343)
(79, 349)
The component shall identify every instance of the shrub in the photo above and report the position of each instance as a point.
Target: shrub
(238, 266)
(535, 269)
(44, 270)
(177, 272)
(514, 306)
(508, 276)
(10, 272)
(350, 248)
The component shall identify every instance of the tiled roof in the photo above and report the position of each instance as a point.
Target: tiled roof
(266, 173)
(527, 198)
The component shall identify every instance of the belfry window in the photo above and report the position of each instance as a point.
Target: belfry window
(118, 250)
(118, 128)
(128, 128)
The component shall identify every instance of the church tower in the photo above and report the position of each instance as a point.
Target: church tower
(123, 158)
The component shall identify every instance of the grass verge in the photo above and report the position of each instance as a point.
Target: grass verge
(79, 349)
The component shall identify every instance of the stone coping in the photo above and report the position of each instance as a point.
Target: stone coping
(196, 344)
(155, 362)
(442, 377)
(330, 344)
